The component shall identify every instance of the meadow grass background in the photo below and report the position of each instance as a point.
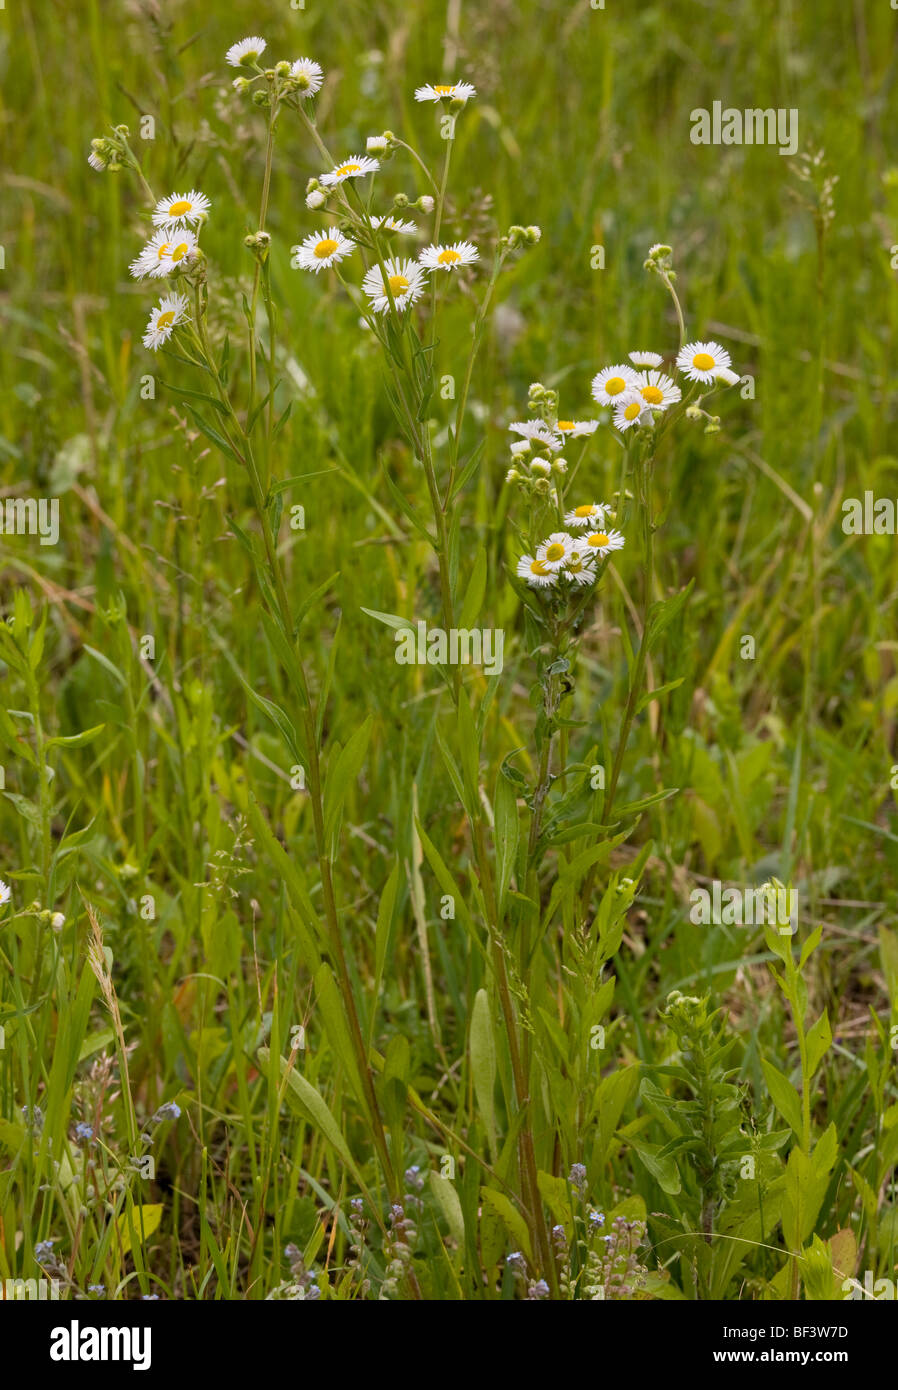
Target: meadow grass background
(581, 125)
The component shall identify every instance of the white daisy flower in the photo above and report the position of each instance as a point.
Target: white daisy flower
(322, 250)
(537, 574)
(309, 75)
(556, 550)
(153, 258)
(537, 432)
(394, 224)
(449, 257)
(405, 279)
(580, 569)
(355, 167)
(575, 428)
(645, 359)
(702, 361)
(600, 542)
(609, 383)
(630, 409)
(456, 91)
(592, 514)
(730, 378)
(658, 390)
(170, 311)
(520, 446)
(5, 892)
(180, 208)
(246, 52)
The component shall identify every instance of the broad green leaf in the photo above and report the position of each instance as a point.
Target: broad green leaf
(784, 1096)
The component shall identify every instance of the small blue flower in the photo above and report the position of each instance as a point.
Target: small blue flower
(596, 1220)
(538, 1290)
(98, 1289)
(149, 1297)
(168, 1111)
(44, 1249)
(85, 1132)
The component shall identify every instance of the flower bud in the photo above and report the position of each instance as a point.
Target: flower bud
(376, 144)
(315, 199)
(425, 203)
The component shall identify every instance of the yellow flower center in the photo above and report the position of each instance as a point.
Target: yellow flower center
(179, 252)
(614, 385)
(653, 394)
(179, 208)
(596, 539)
(583, 511)
(703, 361)
(325, 248)
(632, 410)
(398, 285)
(555, 551)
(565, 424)
(575, 564)
(162, 252)
(538, 567)
(448, 257)
(166, 320)
(443, 91)
(349, 169)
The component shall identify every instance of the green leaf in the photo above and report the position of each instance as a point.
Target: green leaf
(506, 836)
(475, 593)
(182, 391)
(331, 1005)
(483, 1065)
(784, 1096)
(343, 772)
(391, 619)
(447, 1198)
(651, 695)
(663, 1170)
(818, 1041)
(210, 433)
(76, 740)
(313, 1106)
(663, 612)
(510, 1216)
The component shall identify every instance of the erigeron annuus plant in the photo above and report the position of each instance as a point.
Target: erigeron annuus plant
(567, 538)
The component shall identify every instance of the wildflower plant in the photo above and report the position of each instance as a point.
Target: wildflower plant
(539, 842)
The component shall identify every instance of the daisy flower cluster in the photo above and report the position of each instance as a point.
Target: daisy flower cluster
(563, 558)
(172, 251)
(299, 79)
(570, 559)
(638, 392)
(389, 282)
